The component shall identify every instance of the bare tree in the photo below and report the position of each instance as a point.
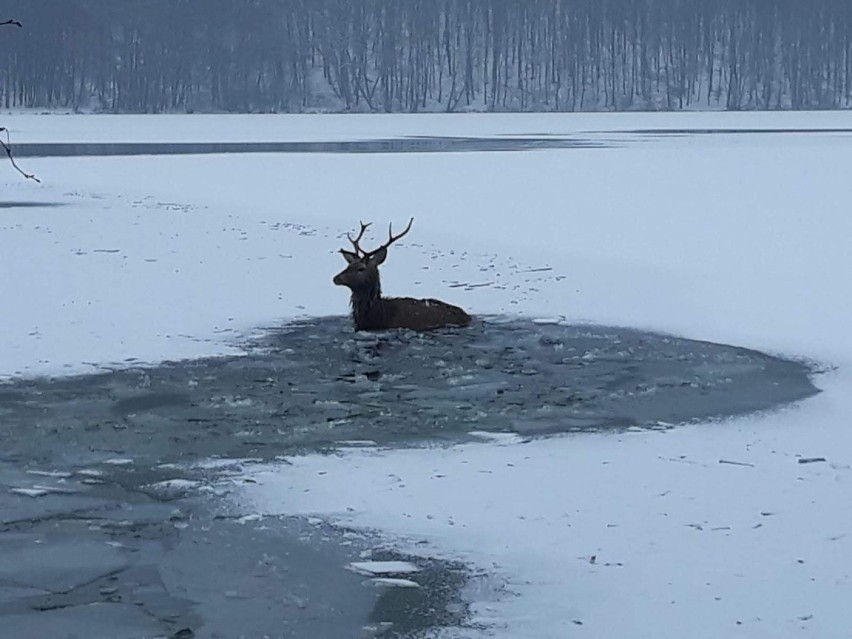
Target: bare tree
(7, 145)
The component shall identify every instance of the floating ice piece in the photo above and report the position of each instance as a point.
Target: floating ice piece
(547, 320)
(374, 630)
(170, 489)
(182, 484)
(497, 437)
(389, 582)
(214, 463)
(118, 461)
(359, 443)
(58, 490)
(246, 519)
(41, 491)
(90, 472)
(50, 473)
(371, 568)
(29, 492)
(233, 402)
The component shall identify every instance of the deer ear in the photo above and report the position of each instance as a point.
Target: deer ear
(349, 256)
(379, 256)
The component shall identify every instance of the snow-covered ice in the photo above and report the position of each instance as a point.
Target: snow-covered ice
(740, 239)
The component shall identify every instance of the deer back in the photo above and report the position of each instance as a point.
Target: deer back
(422, 315)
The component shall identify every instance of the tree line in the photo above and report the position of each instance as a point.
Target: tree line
(426, 55)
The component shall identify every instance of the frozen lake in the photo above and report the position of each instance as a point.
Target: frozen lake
(174, 355)
(423, 144)
(402, 144)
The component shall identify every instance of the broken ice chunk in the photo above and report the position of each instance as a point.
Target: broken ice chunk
(389, 582)
(372, 568)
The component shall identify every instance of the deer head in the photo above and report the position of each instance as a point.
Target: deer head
(362, 274)
(372, 312)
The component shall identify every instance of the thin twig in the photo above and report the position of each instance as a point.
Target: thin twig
(735, 463)
(12, 22)
(7, 146)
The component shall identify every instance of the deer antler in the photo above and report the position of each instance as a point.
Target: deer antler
(358, 239)
(393, 238)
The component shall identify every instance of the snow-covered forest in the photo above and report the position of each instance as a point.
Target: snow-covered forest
(426, 55)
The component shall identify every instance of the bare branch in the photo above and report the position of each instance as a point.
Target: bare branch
(7, 146)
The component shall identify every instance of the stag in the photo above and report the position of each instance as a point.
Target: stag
(371, 311)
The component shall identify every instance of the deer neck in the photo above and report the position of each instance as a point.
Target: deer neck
(367, 307)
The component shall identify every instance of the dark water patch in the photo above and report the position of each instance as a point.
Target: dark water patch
(435, 601)
(29, 205)
(145, 402)
(520, 376)
(316, 383)
(424, 144)
(726, 131)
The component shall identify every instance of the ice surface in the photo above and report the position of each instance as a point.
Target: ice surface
(732, 239)
(92, 621)
(57, 565)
